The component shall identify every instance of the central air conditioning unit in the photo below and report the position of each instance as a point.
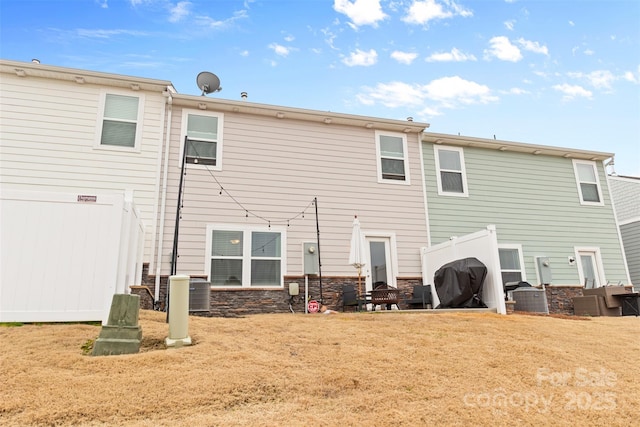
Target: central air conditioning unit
(530, 299)
(199, 295)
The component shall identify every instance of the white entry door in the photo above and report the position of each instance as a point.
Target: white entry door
(379, 266)
(589, 269)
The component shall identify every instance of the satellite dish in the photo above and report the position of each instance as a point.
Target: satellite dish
(208, 82)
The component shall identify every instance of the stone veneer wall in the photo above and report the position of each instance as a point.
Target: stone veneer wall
(559, 298)
(240, 302)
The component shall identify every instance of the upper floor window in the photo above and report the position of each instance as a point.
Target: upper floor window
(511, 263)
(203, 132)
(393, 161)
(245, 257)
(451, 174)
(588, 182)
(121, 116)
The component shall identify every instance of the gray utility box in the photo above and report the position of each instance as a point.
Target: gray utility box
(311, 263)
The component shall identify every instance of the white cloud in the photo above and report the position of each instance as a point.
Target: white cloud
(509, 25)
(502, 49)
(279, 49)
(455, 90)
(533, 46)
(361, 12)
(571, 23)
(179, 11)
(454, 56)
(404, 57)
(392, 95)
(446, 92)
(103, 4)
(421, 12)
(244, 53)
(600, 79)
(207, 21)
(517, 91)
(107, 34)
(360, 57)
(631, 77)
(572, 91)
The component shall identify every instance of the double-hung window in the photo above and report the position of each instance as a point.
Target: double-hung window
(245, 257)
(393, 161)
(588, 182)
(511, 263)
(120, 124)
(451, 174)
(202, 133)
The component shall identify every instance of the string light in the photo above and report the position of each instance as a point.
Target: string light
(247, 211)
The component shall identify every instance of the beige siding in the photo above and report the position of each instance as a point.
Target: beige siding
(48, 136)
(275, 168)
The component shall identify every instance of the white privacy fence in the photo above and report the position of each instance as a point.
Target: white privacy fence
(482, 245)
(63, 256)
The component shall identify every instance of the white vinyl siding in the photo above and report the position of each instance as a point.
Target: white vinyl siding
(51, 143)
(393, 163)
(588, 182)
(451, 174)
(244, 256)
(203, 132)
(120, 121)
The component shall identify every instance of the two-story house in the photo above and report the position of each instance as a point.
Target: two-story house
(551, 206)
(625, 192)
(72, 139)
(260, 181)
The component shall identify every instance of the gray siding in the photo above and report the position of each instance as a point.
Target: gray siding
(631, 241)
(626, 197)
(533, 201)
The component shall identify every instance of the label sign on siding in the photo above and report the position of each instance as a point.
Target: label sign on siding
(87, 199)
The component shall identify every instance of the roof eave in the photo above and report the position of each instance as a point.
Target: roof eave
(290, 113)
(519, 147)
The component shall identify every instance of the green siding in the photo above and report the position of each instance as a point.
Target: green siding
(533, 201)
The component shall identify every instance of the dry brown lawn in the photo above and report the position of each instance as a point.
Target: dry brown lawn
(363, 369)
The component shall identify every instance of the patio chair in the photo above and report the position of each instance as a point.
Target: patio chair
(350, 297)
(420, 298)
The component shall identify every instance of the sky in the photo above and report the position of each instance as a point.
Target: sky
(547, 72)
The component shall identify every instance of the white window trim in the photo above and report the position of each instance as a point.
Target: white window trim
(463, 170)
(598, 186)
(599, 265)
(407, 180)
(518, 247)
(219, 142)
(246, 267)
(100, 122)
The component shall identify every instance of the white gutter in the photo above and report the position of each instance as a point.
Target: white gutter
(163, 203)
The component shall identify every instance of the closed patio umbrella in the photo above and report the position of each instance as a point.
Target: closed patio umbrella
(357, 257)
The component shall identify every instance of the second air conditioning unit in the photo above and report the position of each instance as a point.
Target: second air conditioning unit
(199, 295)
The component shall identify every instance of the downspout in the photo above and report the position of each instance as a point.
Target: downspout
(163, 203)
(423, 179)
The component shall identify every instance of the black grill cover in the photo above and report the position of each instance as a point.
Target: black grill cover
(459, 283)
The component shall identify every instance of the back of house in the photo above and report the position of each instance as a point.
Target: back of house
(551, 206)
